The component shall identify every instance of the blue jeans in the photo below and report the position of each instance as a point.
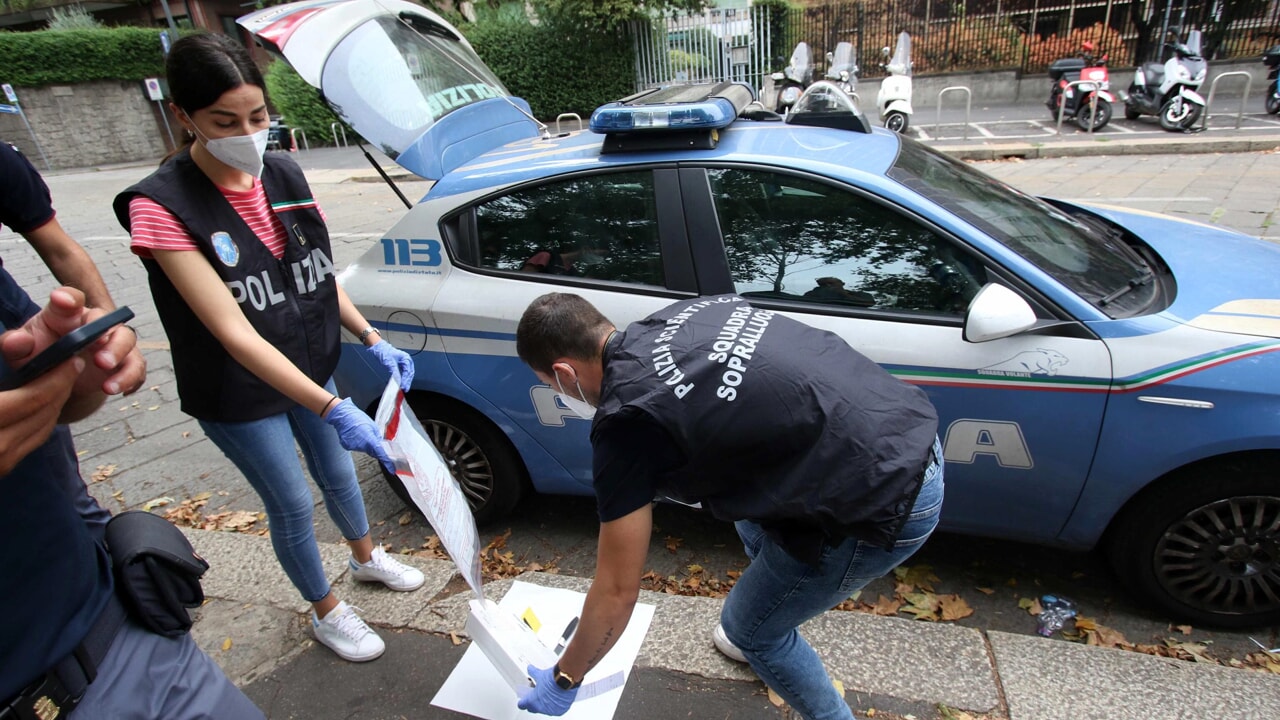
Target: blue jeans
(264, 451)
(777, 593)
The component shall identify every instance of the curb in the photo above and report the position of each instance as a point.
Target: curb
(1104, 146)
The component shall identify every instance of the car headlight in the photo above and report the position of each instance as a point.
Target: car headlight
(790, 95)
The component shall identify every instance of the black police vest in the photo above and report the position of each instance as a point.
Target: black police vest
(291, 302)
(781, 423)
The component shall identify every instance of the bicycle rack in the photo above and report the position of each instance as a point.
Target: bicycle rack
(567, 116)
(1248, 85)
(336, 130)
(293, 136)
(968, 105)
(1093, 105)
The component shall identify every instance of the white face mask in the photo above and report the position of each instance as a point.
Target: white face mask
(580, 407)
(242, 152)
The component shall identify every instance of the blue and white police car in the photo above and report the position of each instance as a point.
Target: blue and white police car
(1103, 376)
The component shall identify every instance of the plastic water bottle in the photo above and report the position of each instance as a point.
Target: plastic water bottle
(1054, 613)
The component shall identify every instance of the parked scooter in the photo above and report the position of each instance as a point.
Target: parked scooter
(894, 98)
(1169, 90)
(1272, 59)
(842, 69)
(794, 79)
(1089, 102)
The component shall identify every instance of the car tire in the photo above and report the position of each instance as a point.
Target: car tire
(481, 458)
(1204, 544)
(1101, 118)
(1179, 116)
(897, 121)
(1273, 103)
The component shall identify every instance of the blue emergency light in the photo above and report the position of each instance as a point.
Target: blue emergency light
(709, 106)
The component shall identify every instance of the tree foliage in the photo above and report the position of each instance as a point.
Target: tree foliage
(612, 14)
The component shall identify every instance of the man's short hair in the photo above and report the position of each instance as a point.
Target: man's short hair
(558, 325)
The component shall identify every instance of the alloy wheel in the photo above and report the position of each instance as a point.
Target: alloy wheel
(1224, 556)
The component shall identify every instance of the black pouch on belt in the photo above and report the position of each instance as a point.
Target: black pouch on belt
(157, 572)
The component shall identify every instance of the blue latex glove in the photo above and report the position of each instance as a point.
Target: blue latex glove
(357, 433)
(393, 358)
(546, 698)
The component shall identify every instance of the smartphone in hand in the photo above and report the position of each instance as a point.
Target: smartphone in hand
(64, 348)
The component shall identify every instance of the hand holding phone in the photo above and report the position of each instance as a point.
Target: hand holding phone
(64, 348)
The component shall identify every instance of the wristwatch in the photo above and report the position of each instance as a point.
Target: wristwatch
(365, 333)
(564, 680)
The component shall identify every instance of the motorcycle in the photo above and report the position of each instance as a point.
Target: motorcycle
(1088, 103)
(894, 98)
(794, 79)
(1272, 59)
(842, 68)
(1169, 90)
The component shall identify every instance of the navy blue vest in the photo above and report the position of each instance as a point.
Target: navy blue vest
(782, 424)
(291, 302)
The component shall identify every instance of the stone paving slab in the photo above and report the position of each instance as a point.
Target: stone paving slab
(1057, 680)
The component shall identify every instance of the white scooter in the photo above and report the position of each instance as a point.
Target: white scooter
(842, 68)
(894, 98)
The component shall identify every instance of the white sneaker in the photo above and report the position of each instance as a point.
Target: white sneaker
(388, 571)
(727, 648)
(343, 632)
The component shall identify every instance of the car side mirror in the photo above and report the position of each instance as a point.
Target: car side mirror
(996, 312)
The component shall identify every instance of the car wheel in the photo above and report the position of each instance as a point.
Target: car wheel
(897, 121)
(1178, 114)
(479, 455)
(1204, 545)
(1131, 114)
(1273, 103)
(1101, 116)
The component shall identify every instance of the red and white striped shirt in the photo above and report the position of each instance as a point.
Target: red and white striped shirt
(155, 228)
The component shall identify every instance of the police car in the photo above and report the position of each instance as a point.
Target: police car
(1103, 376)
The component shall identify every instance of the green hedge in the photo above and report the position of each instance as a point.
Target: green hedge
(558, 66)
(59, 57)
(300, 105)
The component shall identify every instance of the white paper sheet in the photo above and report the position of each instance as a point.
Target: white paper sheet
(430, 484)
(475, 687)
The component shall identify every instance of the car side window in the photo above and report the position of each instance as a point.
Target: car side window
(602, 227)
(796, 239)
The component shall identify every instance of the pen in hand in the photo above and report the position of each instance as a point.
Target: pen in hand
(568, 633)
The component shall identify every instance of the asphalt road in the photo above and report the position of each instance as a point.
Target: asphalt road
(142, 448)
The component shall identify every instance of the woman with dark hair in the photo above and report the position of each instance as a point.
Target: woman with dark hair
(238, 258)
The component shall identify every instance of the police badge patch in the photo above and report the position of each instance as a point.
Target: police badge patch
(225, 248)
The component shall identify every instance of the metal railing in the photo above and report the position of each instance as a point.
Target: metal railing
(1093, 104)
(293, 137)
(1213, 87)
(336, 130)
(968, 106)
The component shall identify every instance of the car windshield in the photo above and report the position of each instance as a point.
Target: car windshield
(1097, 267)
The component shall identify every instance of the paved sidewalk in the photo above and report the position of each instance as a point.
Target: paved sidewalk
(253, 625)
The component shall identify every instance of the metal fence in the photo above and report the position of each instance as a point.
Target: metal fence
(947, 36)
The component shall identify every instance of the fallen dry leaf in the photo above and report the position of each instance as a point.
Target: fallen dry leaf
(453, 637)
(953, 607)
(776, 699)
(920, 576)
(406, 518)
(923, 605)
(226, 645)
(673, 544)
(102, 473)
(986, 590)
(156, 502)
(886, 606)
(1031, 605)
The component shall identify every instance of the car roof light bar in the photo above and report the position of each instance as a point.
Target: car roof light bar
(704, 107)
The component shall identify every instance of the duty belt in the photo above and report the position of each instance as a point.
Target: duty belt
(56, 693)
